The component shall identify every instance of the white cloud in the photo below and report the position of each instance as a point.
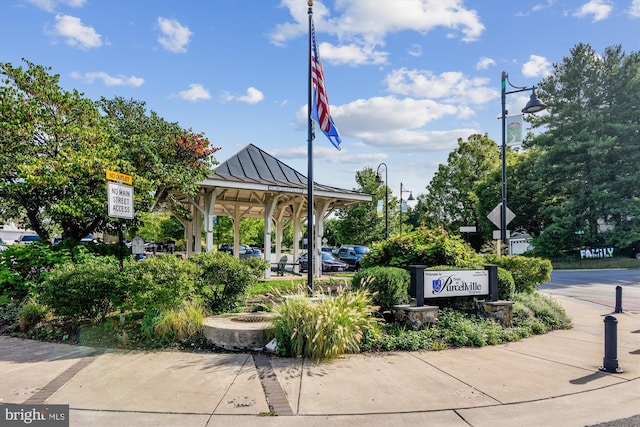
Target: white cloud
(396, 124)
(109, 80)
(415, 50)
(485, 63)
(537, 66)
(196, 92)
(253, 96)
(362, 29)
(416, 140)
(175, 36)
(634, 9)
(449, 86)
(328, 152)
(76, 33)
(50, 5)
(540, 6)
(351, 54)
(599, 9)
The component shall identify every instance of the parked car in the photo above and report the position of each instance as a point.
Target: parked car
(330, 263)
(635, 251)
(28, 239)
(250, 253)
(351, 254)
(225, 248)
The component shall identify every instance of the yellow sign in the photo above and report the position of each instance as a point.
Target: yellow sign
(117, 176)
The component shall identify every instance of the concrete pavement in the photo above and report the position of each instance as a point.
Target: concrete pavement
(548, 380)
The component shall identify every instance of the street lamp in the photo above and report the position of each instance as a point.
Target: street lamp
(386, 197)
(533, 106)
(408, 199)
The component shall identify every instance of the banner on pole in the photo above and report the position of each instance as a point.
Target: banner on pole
(514, 129)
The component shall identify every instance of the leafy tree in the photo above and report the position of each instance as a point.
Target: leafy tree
(590, 152)
(54, 152)
(452, 200)
(252, 231)
(55, 147)
(360, 224)
(160, 155)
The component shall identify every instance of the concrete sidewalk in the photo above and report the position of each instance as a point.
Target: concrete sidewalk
(548, 380)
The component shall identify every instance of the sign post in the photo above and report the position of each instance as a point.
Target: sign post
(495, 216)
(120, 199)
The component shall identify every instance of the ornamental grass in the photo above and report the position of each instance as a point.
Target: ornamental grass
(323, 327)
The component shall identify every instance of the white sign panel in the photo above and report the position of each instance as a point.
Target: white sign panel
(137, 245)
(495, 215)
(455, 283)
(120, 200)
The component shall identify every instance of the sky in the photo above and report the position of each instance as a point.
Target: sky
(405, 79)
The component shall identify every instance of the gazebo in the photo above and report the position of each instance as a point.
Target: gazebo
(255, 184)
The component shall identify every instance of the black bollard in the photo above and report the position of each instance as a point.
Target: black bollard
(618, 299)
(610, 360)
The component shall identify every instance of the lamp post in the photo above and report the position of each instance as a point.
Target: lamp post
(386, 197)
(410, 198)
(533, 106)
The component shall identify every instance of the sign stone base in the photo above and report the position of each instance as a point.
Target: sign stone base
(418, 317)
(500, 311)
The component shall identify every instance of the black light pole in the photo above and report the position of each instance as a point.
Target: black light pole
(409, 199)
(386, 197)
(533, 106)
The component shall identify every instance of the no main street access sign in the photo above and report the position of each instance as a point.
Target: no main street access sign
(120, 200)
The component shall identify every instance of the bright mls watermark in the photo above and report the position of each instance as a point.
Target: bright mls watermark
(34, 415)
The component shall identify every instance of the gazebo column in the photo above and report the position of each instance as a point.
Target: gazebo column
(279, 231)
(209, 205)
(197, 230)
(188, 233)
(270, 203)
(298, 209)
(321, 208)
(237, 216)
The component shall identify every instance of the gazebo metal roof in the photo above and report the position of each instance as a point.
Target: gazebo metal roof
(246, 179)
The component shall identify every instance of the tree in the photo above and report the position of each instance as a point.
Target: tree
(56, 147)
(54, 153)
(360, 224)
(451, 200)
(590, 149)
(162, 156)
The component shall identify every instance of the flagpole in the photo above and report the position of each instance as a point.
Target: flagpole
(310, 233)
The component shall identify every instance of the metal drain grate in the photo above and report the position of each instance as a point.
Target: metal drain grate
(250, 319)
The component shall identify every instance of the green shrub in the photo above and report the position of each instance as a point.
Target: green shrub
(179, 324)
(157, 282)
(82, 291)
(461, 330)
(506, 285)
(223, 280)
(257, 265)
(544, 309)
(22, 267)
(388, 285)
(527, 272)
(31, 313)
(421, 247)
(323, 329)
(399, 337)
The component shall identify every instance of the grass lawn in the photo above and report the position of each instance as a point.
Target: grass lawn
(596, 264)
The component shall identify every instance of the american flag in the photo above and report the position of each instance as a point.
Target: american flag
(320, 108)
